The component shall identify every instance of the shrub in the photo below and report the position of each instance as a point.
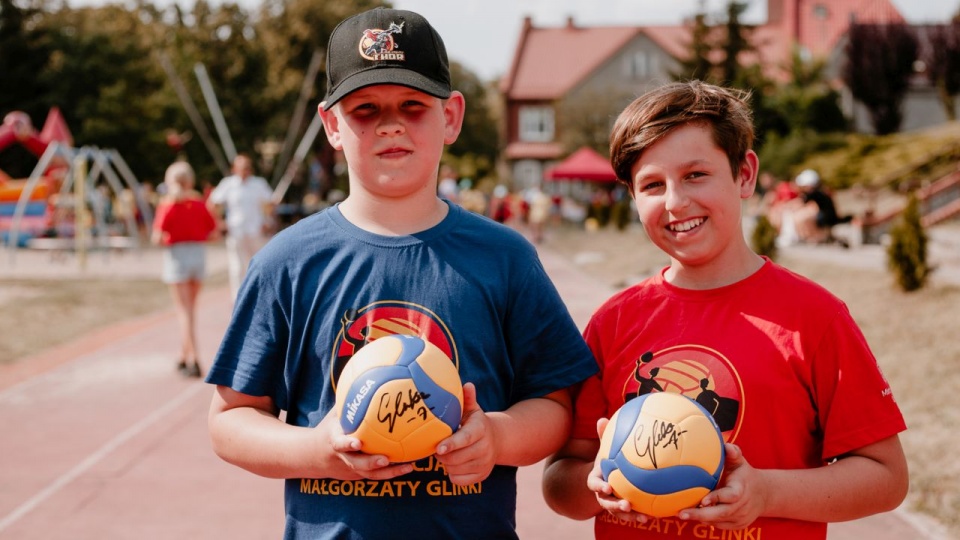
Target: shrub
(907, 252)
(763, 239)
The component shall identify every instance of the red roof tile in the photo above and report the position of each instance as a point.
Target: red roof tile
(551, 61)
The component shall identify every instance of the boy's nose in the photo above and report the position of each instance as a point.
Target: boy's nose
(390, 124)
(675, 197)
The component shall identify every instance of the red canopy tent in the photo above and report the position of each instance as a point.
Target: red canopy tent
(584, 164)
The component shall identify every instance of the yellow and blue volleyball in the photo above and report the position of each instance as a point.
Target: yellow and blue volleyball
(400, 396)
(662, 452)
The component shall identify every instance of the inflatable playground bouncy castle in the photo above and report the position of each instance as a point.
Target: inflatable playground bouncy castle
(38, 215)
(75, 199)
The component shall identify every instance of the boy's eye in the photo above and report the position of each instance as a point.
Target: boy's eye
(649, 185)
(364, 107)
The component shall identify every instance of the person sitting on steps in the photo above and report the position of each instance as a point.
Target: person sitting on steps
(818, 215)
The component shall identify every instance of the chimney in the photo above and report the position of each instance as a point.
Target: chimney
(570, 23)
(774, 12)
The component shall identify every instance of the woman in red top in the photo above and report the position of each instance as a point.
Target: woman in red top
(182, 224)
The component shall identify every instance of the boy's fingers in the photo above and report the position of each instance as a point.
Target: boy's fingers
(467, 434)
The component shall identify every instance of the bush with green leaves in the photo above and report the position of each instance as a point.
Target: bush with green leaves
(763, 239)
(907, 251)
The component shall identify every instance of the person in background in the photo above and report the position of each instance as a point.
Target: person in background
(182, 225)
(244, 202)
(448, 187)
(818, 214)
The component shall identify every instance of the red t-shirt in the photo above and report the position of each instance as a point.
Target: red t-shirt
(185, 220)
(772, 349)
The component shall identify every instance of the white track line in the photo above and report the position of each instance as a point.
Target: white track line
(94, 458)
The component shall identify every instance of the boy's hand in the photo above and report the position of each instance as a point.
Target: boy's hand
(618, 508)
(469, 454)
(345, 460)
(740, 499)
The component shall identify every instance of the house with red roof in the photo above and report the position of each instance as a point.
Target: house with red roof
(603, 68)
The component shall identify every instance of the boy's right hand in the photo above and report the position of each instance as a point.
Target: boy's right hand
(345, 460)
(617, 507)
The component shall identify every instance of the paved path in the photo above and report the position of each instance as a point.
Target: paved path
(140, 464)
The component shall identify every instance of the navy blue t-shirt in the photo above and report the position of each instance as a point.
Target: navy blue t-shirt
(322, 288)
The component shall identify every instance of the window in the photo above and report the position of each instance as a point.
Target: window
(821, 12)
(639, 65)
(536, 124)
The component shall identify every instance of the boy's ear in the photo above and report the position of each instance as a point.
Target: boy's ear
(331, 126)
(453, 111)
(749, 167)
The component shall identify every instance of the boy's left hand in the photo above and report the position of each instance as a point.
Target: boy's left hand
(469, 454)
(740, 499)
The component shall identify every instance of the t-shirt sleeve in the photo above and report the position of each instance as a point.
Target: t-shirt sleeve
(589, 402)
(855, 402)
(548, 350)
(251, 358)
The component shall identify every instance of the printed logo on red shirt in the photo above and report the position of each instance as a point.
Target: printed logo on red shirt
(700, 373)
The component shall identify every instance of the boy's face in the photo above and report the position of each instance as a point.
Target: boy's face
(687, 198)
(393, 136)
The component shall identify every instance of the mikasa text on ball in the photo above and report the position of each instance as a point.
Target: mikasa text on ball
(662, 452)
(400, 396)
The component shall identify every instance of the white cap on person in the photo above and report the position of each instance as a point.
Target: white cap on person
(808, 178)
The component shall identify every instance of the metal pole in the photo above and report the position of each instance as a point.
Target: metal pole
(298, 114)
(214, 107)
(194, 114)
(298, 158)
(80, 218)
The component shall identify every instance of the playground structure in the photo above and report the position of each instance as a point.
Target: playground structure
(64, 205)
(17, 129)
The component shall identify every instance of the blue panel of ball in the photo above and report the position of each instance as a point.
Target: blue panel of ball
(662, 481)
(443, 404)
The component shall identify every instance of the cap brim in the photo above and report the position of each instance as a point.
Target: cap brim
(386, 75)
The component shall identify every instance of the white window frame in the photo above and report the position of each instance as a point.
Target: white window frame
(536, 123)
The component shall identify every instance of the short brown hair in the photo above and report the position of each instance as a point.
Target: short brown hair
(658, 112)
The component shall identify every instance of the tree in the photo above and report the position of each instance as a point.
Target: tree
(735, 42)
(476, 148)
(101, 76)
(587, 117)
(24, 51)
(943, 64)
(807, 103)
(698, 64)
(879, 64)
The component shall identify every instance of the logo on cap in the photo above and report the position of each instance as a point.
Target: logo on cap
(378, 44)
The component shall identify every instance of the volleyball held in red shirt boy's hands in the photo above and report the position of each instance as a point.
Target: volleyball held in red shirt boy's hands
(662, 452)
(400, 396)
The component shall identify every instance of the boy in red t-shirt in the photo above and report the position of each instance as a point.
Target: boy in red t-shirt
(810, 423)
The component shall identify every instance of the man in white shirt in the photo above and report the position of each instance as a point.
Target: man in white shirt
(246, 202)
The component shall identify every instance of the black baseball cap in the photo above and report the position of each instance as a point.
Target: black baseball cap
(386, 46)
